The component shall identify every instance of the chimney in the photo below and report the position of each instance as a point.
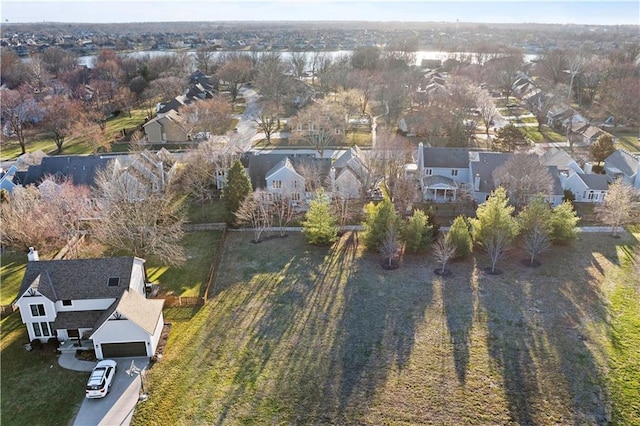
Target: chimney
(476, 183)
(588, 168)
(33, 255)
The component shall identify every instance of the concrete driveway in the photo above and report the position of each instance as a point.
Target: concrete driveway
(117, 407)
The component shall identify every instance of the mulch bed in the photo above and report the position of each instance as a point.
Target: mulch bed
(529, 264)
(439, 272)
(490, 271)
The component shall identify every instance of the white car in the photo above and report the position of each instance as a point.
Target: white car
(101, 378)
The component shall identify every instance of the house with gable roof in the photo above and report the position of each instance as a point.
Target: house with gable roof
(99, 301)
(168, 127)
(587, 187)
(442, 172)
(350, 176)
(624, 165)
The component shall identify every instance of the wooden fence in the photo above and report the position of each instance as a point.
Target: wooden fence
(173, 301)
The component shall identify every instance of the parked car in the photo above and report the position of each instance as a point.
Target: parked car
(101, 379)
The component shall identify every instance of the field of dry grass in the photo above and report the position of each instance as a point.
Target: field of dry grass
(296, 334)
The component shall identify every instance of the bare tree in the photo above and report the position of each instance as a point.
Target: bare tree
(390, 245)
(575, 62)
(388, 158)
(298, 62)
(235, 71)
(486, 108)
(444, 250)
(267, 120)
(256, 210)
(61, 118)
(342, 208)
(208, 116)
(320, 124)
(283, 208)
(19, 112)
(504, 73)
(523, 177)
(137, 220)
(618, 207)
(205, 59)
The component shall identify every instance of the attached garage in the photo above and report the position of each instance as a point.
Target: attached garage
(129, 349)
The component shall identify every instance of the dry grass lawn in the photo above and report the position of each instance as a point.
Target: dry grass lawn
(296, 334)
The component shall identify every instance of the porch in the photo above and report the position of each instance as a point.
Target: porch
(439, 189)
(73, 345)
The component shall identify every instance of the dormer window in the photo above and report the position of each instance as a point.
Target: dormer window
(113, 282)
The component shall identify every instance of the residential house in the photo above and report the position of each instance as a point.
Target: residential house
(623, 165)
(169, 127)
(7, 179)
(350, 175)
(481, 167)
(586, 188)
(284, 179)
(586, 134)
(442, 172)
(146, 171)
(101, 300)
(79, 169)
(561, 160)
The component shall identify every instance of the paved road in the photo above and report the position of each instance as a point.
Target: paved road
(242, 139)
(118, 406)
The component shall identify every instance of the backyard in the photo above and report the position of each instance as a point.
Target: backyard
(296, 334)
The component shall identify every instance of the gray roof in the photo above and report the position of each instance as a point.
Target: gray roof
(81, 169)
(556, 157)
(259, 165)
(596, 182)
(430, 181)
(483, 165)
(136, 308)
(78, 279)
(71, 320)
(625, 162)
(557, 185)
(455, 158)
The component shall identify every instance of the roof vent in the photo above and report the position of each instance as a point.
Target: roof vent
(113, 282)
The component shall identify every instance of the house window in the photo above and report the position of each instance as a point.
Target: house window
(299, 127)
(428, 172)
(337, 131)
(66, 303)
(113, 282)
(37, 310)
(277, 184)
(454, 172)
(295, 183)
(45, 329)
(36, 330)
(295, 196)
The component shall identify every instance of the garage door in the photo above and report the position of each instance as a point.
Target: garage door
(115, 350)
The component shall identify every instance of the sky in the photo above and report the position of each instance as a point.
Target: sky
(594, 12)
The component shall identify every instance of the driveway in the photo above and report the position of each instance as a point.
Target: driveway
(241, 140)
(117, 407)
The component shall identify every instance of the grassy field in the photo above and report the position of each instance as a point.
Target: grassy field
(12, 266)
(213, 211)
(628, 141)
(191, 278)
(295, 334)
(547, 134)
(74, 146)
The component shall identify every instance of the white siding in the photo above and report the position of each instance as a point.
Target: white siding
(156, 335)
(119, 331)
(85, 305)
(137, 276)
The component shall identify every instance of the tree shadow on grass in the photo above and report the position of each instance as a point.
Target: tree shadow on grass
(458, 309)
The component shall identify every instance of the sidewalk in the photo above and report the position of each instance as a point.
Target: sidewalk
(69, 361)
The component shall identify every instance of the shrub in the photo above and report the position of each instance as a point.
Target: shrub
(563, 223)
(460, 237)
(320, 226)
(36, 344)
(379, 218)
(418, 232)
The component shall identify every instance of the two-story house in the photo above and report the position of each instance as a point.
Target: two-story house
(101, 300)
(624, 165)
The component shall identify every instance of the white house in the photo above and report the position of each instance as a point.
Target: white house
(283, 178)
(98, 299)
(442, 172)
(586, 188)
(350, 176)
(623, 165)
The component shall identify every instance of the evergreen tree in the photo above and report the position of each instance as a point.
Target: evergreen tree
(418, 232)
(237, 187)
(508, 138)
(602, 148)
(460, 237)
(563, 223)
(535, 225)
(494, 228)
(379, 218)
(320, 226)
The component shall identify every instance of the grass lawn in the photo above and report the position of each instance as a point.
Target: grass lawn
(35, 389)
(547, 134)
(73, 146)
(12, 266)
(628, 141)
(213, 211)
(191, 278)
(295, 334)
